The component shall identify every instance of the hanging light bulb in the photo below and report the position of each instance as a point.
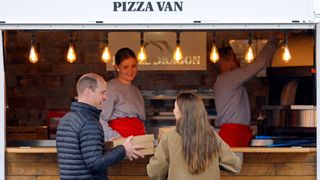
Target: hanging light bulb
(286, 56)
(106, 57)
(214, 55)
(142, 55)
(33, 55)
(71, 56)
(249, 54)
(177, 54)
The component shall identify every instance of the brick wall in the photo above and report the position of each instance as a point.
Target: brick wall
(34, 89)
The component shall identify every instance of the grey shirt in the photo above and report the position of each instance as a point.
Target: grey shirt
(231, 97)
(123, 100)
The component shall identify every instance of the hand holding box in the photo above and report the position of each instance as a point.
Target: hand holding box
(145, 141)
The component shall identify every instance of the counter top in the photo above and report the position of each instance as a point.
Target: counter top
(26, 149)
(275, 149)
(240, 149)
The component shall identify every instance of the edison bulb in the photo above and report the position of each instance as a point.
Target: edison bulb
(286, 56)
(142, 55)
(177, 54)
(249, 55)
(214, 55)
(106, 57)
(33, 56)
(71, 56)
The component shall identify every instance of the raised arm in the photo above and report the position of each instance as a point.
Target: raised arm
(241, 75)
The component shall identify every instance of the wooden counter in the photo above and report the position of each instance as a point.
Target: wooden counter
(244, 150)
(40, 163)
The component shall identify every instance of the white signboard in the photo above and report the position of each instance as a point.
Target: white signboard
(155, 11)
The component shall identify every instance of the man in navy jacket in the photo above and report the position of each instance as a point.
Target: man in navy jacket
(80, 138)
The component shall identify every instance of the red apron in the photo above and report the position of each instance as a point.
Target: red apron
(236, 135)
(127, 126)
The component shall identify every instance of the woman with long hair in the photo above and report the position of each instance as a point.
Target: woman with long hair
(193, 150)
(123, 111)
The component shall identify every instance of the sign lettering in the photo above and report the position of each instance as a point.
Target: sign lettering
(140, 6)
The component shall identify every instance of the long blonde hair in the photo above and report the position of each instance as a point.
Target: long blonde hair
(198, 139)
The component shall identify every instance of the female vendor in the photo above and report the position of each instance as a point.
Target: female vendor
(123, 111)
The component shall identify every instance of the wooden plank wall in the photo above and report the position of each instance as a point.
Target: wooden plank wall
(262, 166)
(15, 133)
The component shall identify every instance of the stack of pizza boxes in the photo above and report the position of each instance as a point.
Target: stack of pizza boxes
(145, 141)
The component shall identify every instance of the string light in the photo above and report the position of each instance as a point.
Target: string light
(33, 55)
(142, 55)
(177, 54)
(286, 56)
(214, 55)
(71, 56)
(249, 54)
(106, 56)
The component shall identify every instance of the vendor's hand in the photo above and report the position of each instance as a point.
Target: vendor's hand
(131, 149)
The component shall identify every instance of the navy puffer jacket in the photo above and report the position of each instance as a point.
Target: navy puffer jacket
(80, 145)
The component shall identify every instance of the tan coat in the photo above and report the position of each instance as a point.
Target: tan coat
(168, 161)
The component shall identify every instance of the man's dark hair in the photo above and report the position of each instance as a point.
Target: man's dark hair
(123, 54)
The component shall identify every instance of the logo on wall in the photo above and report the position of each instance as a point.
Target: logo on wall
(160, 47)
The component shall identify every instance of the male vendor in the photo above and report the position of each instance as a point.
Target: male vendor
(231, 98)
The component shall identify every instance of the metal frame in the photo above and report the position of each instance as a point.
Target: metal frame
(149, 27)
(155, 27)
(2, 111)
(317, 56)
